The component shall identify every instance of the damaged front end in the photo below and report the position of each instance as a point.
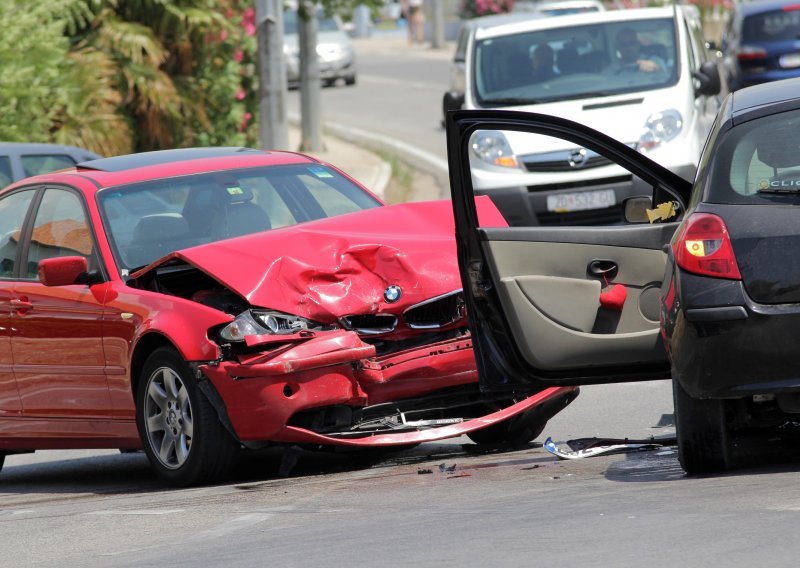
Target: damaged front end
(377, 351)
(330, 387)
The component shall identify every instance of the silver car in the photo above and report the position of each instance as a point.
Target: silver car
(334, 50)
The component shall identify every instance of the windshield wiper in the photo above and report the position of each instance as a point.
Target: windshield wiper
(779, 190)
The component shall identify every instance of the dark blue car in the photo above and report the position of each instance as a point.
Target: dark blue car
(762, 43)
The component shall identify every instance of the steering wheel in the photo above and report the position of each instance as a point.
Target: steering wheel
(628, 67)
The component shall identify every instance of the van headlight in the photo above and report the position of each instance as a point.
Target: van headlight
(660, 127)
(258, 322)
(492, 147)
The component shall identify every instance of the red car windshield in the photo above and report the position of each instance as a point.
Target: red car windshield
(146, 221)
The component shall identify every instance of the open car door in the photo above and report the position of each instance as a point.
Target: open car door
(562, 305)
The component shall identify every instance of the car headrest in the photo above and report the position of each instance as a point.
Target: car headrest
(160, 227)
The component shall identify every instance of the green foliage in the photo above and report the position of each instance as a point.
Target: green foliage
(33, 53)
(117, 76)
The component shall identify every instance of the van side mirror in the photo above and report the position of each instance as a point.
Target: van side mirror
(708, 79)
(635, 209)
(63, 271)
(452, 100)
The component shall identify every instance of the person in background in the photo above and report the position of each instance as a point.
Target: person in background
(416, 20)
(630, 56)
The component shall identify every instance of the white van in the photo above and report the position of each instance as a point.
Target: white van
(640, 76)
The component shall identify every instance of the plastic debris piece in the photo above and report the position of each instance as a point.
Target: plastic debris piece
(423, 471)
(590, 447)
(444, 468)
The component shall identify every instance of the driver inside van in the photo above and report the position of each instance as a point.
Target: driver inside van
(630, 56)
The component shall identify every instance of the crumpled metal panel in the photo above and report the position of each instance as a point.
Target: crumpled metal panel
(338, 266)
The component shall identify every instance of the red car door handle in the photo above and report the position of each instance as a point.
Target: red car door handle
(21, 304)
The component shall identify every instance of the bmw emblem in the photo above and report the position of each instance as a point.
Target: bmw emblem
(392, 294)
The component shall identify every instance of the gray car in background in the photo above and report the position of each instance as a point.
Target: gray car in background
(20, 160)
(334, 50)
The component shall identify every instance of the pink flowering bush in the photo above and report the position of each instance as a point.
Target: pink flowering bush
(477, 8)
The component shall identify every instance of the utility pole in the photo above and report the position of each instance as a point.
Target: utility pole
(310, 87)
(272, 87)
(437, 27)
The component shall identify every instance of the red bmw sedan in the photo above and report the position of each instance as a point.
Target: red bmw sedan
(194, 303)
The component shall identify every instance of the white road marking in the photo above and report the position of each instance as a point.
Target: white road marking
(136, 512)
(377, 79)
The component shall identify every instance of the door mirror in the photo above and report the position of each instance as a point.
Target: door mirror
(708, 80)
(636, 209)
(63, 271)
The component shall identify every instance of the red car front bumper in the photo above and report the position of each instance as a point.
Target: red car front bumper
(263, 391)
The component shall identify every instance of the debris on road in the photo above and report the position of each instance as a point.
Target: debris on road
(444, 468)
(423, 471)
(590, 447)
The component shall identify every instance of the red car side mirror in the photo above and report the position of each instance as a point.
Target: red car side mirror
(62, 271)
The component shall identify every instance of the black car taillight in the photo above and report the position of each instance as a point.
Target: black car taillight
(704, 247)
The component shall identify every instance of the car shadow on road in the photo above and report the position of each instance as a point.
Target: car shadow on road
(127, 473)
(662, 464)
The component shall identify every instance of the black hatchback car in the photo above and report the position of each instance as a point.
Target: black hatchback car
(702, 285)
(761, 43)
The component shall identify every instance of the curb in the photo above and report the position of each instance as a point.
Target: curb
(412, 156)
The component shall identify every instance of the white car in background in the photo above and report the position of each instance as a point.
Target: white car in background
(558, 8)
(666, 112)
(335, 53)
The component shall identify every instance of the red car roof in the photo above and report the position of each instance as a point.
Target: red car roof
(132, 168)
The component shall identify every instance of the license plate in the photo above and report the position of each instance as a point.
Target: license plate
(566, 202)
(790, 61)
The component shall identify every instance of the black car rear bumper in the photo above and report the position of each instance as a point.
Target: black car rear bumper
(724, 345)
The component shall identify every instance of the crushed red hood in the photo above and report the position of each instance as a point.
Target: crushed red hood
(342, 265)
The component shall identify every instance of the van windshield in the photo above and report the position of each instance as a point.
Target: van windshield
(576, 62)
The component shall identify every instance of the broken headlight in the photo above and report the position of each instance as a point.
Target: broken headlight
(257, 322)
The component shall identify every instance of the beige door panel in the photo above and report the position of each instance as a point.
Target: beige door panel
(547, 344)
(552, 304)
(569, 302)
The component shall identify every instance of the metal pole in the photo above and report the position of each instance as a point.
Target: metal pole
(437, 27)
(272, 93)
(310, 87)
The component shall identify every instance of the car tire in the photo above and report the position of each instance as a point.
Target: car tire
(2, 461)
(181, 432)
(703, 436)
(515, 431)
(350, 81)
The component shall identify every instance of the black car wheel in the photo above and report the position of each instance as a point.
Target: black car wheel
(181, 432)
(2, 461)
(703, 436)
(350, 81)
(515, 431)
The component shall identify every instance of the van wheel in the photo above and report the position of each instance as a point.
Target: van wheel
(2, 461)
(181, 433)
(703, 438)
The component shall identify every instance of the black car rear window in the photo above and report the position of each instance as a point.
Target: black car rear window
(758, 162)
(777, 25)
